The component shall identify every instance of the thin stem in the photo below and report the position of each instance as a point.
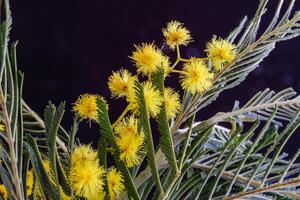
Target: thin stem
(184, 60)
(178, 52)
(168, 191)
(186, 143)
(178, 71)
(121, 117)
(10, 142)
(265, 189)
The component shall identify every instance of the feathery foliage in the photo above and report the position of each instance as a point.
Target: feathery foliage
(231, 155)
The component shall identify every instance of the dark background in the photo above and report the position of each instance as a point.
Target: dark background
(70, 47)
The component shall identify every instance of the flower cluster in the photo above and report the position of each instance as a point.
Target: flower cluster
(87, 177)
(196, 76)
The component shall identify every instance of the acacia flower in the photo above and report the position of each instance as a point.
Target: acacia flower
(115, 183)
(196, 77)
(82, 154)
(29, 182)
(86, 178)
(2, 126)
(172, 102)
(128, 126)
(121, 83)
(176, 34)
(129, 141)
(153, 100)
(220, 51)
(148, 58)
(3, 192)
(86, 106)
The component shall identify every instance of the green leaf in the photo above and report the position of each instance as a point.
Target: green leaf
(145, 123)
(107, 132)
(48, 189)
(166, 142)
(53, 119)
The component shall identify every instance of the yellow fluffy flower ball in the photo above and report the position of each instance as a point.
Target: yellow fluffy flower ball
(30, 182)
(115, 183)
(220, 51)
(172, 102)
(128, 126)
(121, 83)
(83, 153)
(86, 178)
(196, 77)
(153, 100)
(148, 58)
(129, 141)
(2, 127)
(176, 34)
(3, 192)
(86, 107)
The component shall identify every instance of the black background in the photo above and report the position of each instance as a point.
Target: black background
(70, 47)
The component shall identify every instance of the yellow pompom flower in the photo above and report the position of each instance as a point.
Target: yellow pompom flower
(3, 192)
(30, 182)
(196, 76)
(86, 178)
(128, 126)
(121, 83)
(130, 146)
(83, 153)
(148, 58)
(153, 100)
(99, 195)
(129, 141)
(220, 51)
(172, 102)
(115, 183)
(2, 127)
(176, 34)
(86, 107)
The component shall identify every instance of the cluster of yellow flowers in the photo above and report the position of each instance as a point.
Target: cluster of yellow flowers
(196, 77)
(86, 176)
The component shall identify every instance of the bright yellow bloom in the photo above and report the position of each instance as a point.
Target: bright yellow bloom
(148, 58)
(115, 183)
(3, 192)
(2, 127)
(196, 77)
(30, 181)
(129, 141)
(127, 126)
(86, 106)
(99, 195)
(121, 83)
(82, 154)
(220, 51)
(153, 100)
(172, 102)
(176, 34)
(86, 178)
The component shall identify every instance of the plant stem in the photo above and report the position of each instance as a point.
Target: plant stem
(121, 117)
(10, 142)
(265, 189)
(186, 143)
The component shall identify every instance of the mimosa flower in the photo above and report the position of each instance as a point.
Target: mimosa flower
(115, 183)
(121, 83)
(196, 77)
(176, 34)
(220, 51)
(86, 107)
